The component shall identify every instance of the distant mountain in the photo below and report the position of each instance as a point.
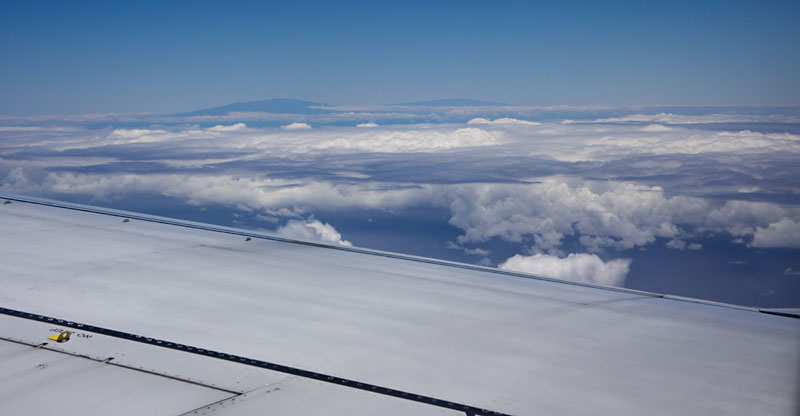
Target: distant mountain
(274, 105)
(291, 106)
(454, 102)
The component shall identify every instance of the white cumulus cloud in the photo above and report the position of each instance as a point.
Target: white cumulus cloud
(676, 244)
(296, 126)
(605, 214)
(740, 218)
(121, 136)
(582, 267)
(617, 215)
(232, 127)
(496, 181)
(784, 233)
(314, 230)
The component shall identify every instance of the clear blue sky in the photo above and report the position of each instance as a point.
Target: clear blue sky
(79, 57)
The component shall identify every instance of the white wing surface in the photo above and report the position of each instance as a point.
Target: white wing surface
(173, 317)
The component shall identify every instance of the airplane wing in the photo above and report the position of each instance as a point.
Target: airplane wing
(174, 317)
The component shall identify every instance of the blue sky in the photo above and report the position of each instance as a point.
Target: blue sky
(72, 58)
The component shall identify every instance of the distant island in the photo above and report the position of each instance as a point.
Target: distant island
(292, 106)
(274, 105)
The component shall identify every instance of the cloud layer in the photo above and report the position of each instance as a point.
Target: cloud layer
(616, 183)
(602, 215)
